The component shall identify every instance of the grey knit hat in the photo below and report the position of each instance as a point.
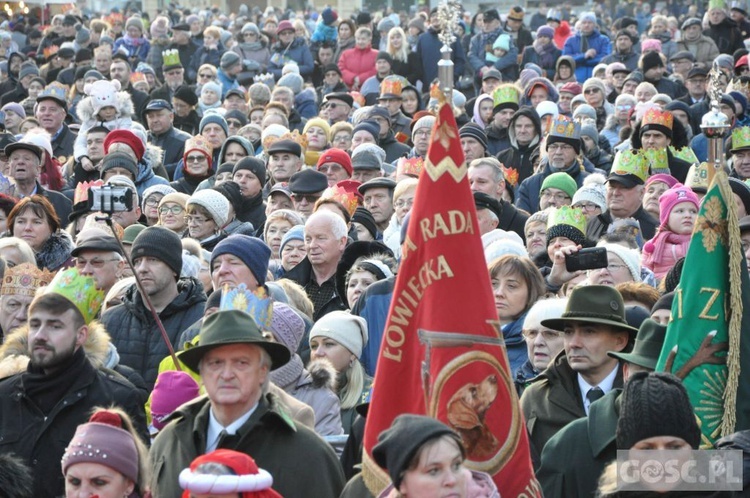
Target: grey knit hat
(216, 204)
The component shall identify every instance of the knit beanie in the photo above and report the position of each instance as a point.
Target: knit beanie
(232, 192)
(215, 119)
(225, 168)
(103, 441)
(473, 130)
(561, 181)
(229, 59)
(584, 110)
(211, 86)
(28, 68)
(631, 258)
(348, 330)
(191, 265)
(651, 60)
(159, 28)
(186, 94)
(160, 243)
(126, 137)
(588, 129)
(287, 326)
(655, 404)
(119, 160)
(337, 156)
(237, 115)
(366, 219)
(398, 444)
(297, 232)
(384, 56)
(545, 31)
(320, 123)
(594, 83)
(650, 45)
(675, 195)
(198, 143)
(175, 197)
(216, 204)
(329, 16)
(293, 81)
(251, 27)
(592, 191)
(588, 16)
(423, 122)
(173, 388)
(370, 127)
(83, 35)
(664, 303)
(253, 252)
(254, 165)
(155, 189)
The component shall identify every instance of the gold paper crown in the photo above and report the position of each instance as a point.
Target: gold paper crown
(79, 290)
(136, 78)
(738, 86)
(114, 18)
(409, 167)
(50, 51)
(171, 57)
(684, 153)
(339, 194)
(506, 94)
(717, 4)
(511, 175)
(393, 85)
(96, 220)
(567, 215)
(658, 161)
(631, 162)
(562, 126)
(700, 176)
(82, 190)
(296, 136)
(655, 116)
(256, 304)
(24, 280)
(740, 138)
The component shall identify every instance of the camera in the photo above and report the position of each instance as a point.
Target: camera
(587, 259)
(110, 199)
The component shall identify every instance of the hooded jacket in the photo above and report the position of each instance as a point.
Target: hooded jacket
(527, 197)
(146, 177)
(519, 157)
(135, 334)
(584, 66)
(478, 54)
(630, 59)
(554, 95)
(87, 116)
(40, 438)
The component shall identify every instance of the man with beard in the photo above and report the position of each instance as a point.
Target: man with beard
(14, 67)
(41, 408)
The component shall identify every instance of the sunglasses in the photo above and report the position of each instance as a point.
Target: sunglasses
(234, 122)
(591, 90)
(195, 159)
(206, 76)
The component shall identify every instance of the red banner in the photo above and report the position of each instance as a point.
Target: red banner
(442, 353)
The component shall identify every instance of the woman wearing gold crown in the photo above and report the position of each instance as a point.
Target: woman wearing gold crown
(657, 131)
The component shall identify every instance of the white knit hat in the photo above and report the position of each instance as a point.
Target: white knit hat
(348, 330)
(593, 190)
(631, 257)
(212, 201)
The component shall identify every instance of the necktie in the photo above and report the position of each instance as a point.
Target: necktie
(594, 394)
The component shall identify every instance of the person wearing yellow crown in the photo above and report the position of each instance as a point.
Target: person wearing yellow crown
(657, 130)
(42, 406)
(563, 149)
(739, 149)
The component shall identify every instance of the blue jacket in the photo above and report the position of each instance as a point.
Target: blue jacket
(515, 344)
(527, 196)
(477, 52)
(584, 66)
(373, 306)
(428, 47)
(135, 48)
(226, 82)
(297, 51)
(306, 103)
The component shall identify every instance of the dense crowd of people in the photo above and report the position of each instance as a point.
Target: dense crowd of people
(256, 172)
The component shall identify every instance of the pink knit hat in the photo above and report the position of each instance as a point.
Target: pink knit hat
(172, 389)
(650, 44)
(670, 180)
(675, 195)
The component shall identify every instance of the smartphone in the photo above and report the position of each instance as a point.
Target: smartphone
(587, 259)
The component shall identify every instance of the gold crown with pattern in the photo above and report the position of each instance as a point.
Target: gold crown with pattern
(256, 304)
(82, 190)
(343, 197)
(740, 138)
(631, 162)
(392, 85)
(24, 280)
(506, 94)
(79, 290)
(409, 167)
(564, 127)
(655, 116)
(566, 215)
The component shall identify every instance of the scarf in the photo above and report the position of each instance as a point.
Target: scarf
(546, 54)
(251, 46)
(662, 240)
(46, 390)
(134, 42)
(311, 157)
(288, 374)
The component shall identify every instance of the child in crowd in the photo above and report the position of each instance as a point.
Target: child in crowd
(677, 213)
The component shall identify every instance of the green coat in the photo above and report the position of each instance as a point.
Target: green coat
(590, 443)
(301, 463)
(553, 400)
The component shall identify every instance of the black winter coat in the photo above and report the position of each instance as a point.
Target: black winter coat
(136, 336)
(40, 439)
(302, 274)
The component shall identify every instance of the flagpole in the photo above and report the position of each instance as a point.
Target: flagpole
(715, 124)
(448, 15)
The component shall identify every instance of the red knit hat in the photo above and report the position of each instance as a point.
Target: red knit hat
(126, 137)
(248, 476)
(337, 156)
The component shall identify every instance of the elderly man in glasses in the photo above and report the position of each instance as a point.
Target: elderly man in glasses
(98, 255)
(338, 107)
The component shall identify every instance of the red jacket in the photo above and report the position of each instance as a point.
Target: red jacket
(357, 62)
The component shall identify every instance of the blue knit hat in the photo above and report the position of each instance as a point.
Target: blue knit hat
(214, 118)
(251, 250)
(297, 232)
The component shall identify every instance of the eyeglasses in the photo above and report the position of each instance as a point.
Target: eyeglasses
(206, 76)
(562, 147)
(591, 90)
(342, 138)
(195, 219)
(95, 263)
(331, 105)
(558, 196)
(153, 201)
(234, 122)
(587, 206)
(309, 198)
(425, 132)
(626, 107)
(286, 32)
(613, 267)
(404, 203)
(548, 335)
(173, 209)
(195, 159)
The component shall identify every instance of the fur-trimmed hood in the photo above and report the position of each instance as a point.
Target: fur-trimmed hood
(125, 107)
(322, 374)
(14, 353)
